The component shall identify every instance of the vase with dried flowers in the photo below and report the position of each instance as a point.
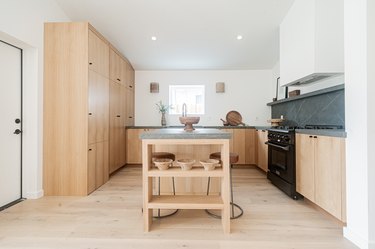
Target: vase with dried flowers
(163, 109)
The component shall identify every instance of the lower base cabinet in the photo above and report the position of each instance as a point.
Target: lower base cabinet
(98, 161)
(320, 172)
(262, 150)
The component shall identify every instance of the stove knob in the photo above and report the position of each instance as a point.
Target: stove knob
(287, 139)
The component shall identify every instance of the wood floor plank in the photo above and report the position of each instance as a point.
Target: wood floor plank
(111, 217)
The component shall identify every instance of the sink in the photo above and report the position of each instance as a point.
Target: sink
(188, 122)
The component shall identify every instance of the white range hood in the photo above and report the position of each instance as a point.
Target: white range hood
(312, 78)
(312, 42)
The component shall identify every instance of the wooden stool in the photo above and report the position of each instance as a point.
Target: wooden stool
(233, 158)
(162, 155)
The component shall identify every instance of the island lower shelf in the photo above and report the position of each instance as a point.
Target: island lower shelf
(186, 202)
(206, 138)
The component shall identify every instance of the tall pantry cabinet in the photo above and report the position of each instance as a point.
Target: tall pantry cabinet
(76, 109)
(121, 107)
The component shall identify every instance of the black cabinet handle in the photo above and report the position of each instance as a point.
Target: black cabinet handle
(131, 86)
(90, 113)
(90, 63)
(118, 116)
(90, 149)
(315, 137)
(118, 80)
(130, 117)
(17, 131)
(310, 136)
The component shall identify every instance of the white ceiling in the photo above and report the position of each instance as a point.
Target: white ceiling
(191, 34)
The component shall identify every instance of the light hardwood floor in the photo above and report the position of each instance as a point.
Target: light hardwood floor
(111, 217)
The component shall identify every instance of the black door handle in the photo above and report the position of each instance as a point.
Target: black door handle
(17, 121)
(17, 131)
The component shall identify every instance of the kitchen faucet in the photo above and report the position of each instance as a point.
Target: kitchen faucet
(184, 110)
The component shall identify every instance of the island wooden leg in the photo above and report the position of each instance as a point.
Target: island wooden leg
(225, 186)
(147, 185)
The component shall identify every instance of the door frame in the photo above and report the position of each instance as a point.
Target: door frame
(21, 128)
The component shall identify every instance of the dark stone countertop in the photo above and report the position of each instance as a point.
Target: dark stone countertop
(195, 126)
(181, 134)
(319, 132)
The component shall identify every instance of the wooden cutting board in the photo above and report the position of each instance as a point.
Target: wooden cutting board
(234, 118)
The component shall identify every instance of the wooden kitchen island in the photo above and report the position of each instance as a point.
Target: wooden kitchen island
(178, 137)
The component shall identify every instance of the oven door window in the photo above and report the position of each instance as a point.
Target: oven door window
(278, 158)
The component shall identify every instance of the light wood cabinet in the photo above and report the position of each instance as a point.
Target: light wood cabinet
(76, 109)
(130, 77)
(134, 146)
(116, 71)
(250, 146)
(117, 132)
(129, 107)
(262, 149)
(305, 160)
(98, 54)
(320, 171)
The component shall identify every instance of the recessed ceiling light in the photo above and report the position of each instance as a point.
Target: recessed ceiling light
(153, 38)
(239, 37)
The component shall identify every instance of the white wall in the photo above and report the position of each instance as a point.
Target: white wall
(21, 23)
(371, 117)
(360, 117)
(246, 91)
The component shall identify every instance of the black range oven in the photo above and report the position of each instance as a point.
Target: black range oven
(281, 160)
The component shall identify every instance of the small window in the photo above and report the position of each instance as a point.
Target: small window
(191, 95)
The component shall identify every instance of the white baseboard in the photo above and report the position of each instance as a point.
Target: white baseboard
(34, 195)
(356, 238)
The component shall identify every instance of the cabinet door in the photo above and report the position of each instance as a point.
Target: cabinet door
(329, 159)
(125, 73)
(239, 147)
(91, 168)
(250, 146)
(262, 150)
(101, 110)
(231, 140)
(115, 67)
(101, 164)
(121, 128)
(131, 77)
(98, 55)
(114, 123)
(129, 107)
(305, 179)
(134, 146)
(92, 103)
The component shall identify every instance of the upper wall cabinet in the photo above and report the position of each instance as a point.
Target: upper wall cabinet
(312, 41)
(98, 54)
(116, 67)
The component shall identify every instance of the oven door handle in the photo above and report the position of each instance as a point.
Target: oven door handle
(286, 148)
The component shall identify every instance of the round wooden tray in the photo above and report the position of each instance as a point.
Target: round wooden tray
(234, 118)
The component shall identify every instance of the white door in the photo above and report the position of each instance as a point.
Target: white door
(10, 124)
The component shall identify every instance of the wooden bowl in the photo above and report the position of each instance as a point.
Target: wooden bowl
(209, 164)
(163, 163)
(185, 164)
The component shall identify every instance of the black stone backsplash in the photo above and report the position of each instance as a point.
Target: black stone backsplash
(324, 109)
